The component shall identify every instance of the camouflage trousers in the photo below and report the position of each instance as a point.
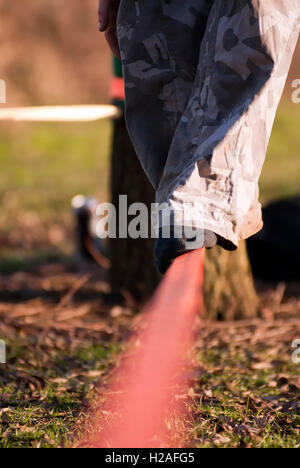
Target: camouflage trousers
(203, 80)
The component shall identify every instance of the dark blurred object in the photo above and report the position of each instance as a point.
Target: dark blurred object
(91, 249)
(275, 251)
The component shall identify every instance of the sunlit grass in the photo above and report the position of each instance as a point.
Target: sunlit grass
(42, 166)
(281, 172)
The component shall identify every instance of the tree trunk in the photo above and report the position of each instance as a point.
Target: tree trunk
(229, 291)
(132, 274)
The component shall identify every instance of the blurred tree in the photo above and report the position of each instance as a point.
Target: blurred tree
(132, 273)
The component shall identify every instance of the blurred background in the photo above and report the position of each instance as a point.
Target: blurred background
(63, 327)
(52, 53)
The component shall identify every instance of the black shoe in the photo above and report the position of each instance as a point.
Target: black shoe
(166, 249)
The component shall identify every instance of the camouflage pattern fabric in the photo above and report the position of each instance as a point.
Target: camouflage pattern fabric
(203, 81)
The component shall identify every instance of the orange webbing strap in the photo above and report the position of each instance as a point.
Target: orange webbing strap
(117, 90)
(181, 288)
(144, 390)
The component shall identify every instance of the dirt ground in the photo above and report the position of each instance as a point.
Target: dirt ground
(63, 335)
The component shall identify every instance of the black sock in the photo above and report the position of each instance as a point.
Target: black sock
(171, 245)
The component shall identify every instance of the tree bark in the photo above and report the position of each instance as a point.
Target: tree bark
(132, 273)
(229, 291)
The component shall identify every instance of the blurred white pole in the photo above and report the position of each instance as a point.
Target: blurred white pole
(59, 113)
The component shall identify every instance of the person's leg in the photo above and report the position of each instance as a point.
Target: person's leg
(160, 42)
(220, 143)
(202, 134)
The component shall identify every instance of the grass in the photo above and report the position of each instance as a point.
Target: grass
(42, 166)
(241, 397)
(241, 406)
(43, 387)
(42, 391)
(281, 172)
